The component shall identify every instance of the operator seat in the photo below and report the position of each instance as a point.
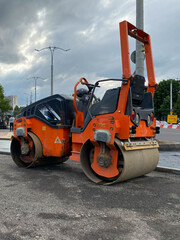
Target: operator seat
(83, 99)
(107, 105)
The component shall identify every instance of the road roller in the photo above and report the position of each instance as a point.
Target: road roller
(112, 136)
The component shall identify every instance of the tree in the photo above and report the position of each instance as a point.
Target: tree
(164, 108)
(162, 91)
(4, 102)
(17, 110)
(177, 106)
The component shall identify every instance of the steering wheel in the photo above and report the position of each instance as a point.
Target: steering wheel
(79, 115)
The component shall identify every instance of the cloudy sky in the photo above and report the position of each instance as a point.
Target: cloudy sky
(90, 29)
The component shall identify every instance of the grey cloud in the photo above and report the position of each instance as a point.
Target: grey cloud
(94, 54)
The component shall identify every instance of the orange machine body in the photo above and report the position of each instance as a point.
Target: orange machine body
(55, 142)
(118, 123)
(119, 126)
(67, 140)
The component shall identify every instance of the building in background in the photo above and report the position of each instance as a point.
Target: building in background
(13, 101)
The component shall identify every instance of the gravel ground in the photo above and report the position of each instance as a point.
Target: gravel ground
(59, 203)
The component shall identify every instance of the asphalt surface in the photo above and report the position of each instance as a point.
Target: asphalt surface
(59, 203)
(169, 134)
(169, 159)
(5, 146)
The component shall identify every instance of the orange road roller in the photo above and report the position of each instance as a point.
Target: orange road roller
(112, 136)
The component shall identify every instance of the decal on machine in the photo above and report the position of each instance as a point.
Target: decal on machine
(57, 140)
(43, 128)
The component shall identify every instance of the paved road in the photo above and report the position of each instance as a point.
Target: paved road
(169, 159)
(169, 135)
(60, 203)
(5, 145)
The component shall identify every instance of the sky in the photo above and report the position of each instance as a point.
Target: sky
(90, 28)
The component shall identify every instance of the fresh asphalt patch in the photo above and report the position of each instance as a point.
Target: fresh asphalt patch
(59, 202)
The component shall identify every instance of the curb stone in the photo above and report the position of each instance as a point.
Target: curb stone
(168, 146)
(168, 170)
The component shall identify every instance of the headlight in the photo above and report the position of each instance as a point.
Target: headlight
(148, 120)
(137, 119)
(20, 131)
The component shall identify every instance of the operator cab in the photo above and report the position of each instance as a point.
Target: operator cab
(56, 111)
(139, 102)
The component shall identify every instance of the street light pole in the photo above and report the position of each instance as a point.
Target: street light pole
(35, 84)
(171, 110)
(139, 46)
(52, 54)
(52, 49)
(30, 98)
